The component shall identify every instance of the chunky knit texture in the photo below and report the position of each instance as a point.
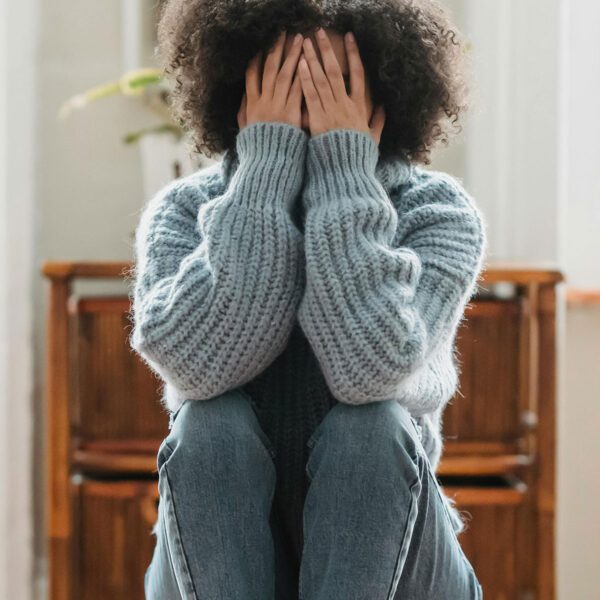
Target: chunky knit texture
(307, 271)
(219, 271)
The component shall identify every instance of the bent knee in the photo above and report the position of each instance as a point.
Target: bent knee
(207, 431)
(365, 429)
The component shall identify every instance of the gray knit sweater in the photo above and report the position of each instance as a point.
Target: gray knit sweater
(313, 262)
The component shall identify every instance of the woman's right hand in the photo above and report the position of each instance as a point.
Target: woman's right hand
(278, 98)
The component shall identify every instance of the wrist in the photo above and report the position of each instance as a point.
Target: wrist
(276, 139)
(272, 154)
(340, 162)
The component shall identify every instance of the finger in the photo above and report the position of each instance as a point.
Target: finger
(355, 66)
(288, 69)
(253, 78)
(272, 64)
(333, 70)
(321, 83)
(295, 96)
(313, 100)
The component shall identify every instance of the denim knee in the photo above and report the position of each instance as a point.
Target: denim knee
(369, 434)
(214, 431)
(385, 419)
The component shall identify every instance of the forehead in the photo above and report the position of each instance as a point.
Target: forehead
(337, 43)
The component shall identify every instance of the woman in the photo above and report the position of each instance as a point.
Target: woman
(300, 301)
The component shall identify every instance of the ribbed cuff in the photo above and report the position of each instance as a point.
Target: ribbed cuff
(340, 162)
(272, 156)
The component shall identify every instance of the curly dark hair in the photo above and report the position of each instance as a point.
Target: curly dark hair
(415, 59)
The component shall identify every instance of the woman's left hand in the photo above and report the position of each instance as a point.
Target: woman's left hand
(329, 105)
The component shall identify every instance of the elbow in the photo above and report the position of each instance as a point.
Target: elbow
(422, 384)
(358, 387)
(151, 350)
(418, 395)
(422, 399)
(191, 375)
(429, 388)
(190, 382)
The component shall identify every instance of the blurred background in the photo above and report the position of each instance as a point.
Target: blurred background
(75, 173)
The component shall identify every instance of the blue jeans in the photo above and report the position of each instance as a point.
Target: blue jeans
(375, 524)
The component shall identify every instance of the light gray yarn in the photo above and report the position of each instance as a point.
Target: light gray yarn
(378, 275)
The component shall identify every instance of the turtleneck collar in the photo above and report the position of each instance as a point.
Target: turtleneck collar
(391, 172)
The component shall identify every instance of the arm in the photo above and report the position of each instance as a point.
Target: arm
(218, 280)
(385, 289)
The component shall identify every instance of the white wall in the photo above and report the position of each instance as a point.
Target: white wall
(532, 164)
(18, 37)
(579, 408)
(89, 189)
(508, 152)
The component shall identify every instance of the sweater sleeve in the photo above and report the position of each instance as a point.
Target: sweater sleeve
(218, 279)
(385, 287)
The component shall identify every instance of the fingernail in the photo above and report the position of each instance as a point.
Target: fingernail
(298, 38)
(321, 33)
(350, 36)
